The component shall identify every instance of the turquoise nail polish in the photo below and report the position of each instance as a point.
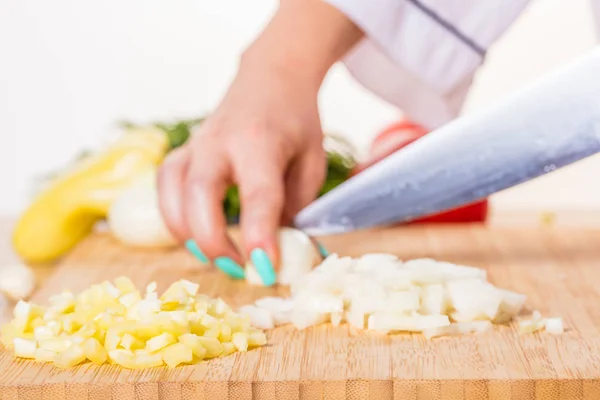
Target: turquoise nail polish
(322, 250)
(195, 250)
(230, 267)
(263, 266)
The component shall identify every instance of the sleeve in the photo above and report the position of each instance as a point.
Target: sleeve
(596, 11)
(421, 55)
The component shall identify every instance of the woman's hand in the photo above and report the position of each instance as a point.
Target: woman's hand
(265, 137)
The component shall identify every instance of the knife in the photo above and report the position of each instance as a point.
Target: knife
(539, 129)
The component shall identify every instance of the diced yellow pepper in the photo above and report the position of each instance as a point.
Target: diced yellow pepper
(144, 359)
(237, 323)
(36, 323)
(213, 332)
(93, 329)
(94, 351)
(212, 345)
(124, 358)
(70, 357)
(228, 348)
(174, 293)
(176, 354)
(194, 342)
(25, 313)
(125, 285)
(100, 335)
(218, 308)
(201, 305)
(146, 331)
(57, 345)
(256, 338)
(43, 355)
(240, 340)
(225, 334)
(112, 339)
(159, 342)
(24, 348)
(209, 321)
(87, 330)
(130, 342)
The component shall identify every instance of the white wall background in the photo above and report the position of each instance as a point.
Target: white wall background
(69, 69)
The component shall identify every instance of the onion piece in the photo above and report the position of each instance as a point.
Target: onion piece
(336, 318)
(298, 255)
(555, 326)
(304, 319)
(281, 309)
(536, 323)
(259, 317)
(458, 328)
(382, 321)
(434, 300)
(356, 318)
(511, 305)
(474, 299)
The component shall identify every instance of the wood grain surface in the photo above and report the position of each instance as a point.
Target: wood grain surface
(558, 269)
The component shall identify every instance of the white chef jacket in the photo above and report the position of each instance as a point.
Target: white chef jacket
(421, 55)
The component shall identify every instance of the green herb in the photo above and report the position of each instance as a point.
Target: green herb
(340, 163)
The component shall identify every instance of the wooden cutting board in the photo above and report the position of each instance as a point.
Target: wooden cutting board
(559, 270)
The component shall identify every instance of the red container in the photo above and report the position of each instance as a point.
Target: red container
(401, 135)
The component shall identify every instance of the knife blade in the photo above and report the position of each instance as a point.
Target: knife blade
(547, 125)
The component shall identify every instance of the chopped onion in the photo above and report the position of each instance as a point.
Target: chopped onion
(474, 299)
(537, 323)
(336, 318)
(511, 305)
(383, 321)
(379, 292)
(279, 308)
(555, 326)
(298, 255)
(259, 317)
(434, 300)
(303, 319)
(458, 328)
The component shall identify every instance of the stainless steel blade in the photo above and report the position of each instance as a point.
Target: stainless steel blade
(552, 123)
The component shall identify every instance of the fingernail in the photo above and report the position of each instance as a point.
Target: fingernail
(195, 250)
(263, 266)
(230, 267)
(322, 250)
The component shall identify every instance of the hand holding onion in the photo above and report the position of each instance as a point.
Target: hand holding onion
(135, 219)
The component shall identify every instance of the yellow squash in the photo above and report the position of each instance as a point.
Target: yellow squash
(66, 212)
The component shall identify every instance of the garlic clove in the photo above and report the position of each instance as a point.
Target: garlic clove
(16, 281)
(135, 218)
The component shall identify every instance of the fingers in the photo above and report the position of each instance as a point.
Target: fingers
(207, 179)
(303, 183)
(170, 186)
(261, 188)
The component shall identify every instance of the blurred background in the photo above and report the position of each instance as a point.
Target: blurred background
(70, 69)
